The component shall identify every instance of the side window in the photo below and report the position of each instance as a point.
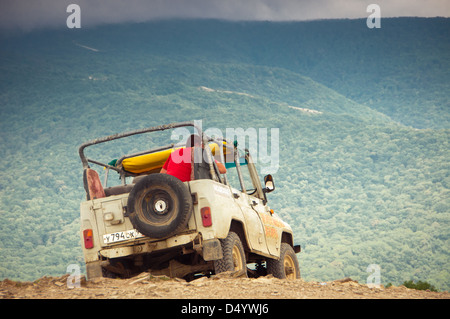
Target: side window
(249, 187)
(246, 166)
(233, 179)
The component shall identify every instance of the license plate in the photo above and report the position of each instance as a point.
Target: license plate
(121, 236)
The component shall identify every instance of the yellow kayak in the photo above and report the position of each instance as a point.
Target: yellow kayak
(148, 162)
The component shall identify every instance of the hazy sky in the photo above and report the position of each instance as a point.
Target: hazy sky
(30, 14)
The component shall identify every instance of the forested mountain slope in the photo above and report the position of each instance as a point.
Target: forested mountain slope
(364, 179)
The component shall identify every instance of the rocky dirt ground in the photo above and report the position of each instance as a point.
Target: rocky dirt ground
(222, 286)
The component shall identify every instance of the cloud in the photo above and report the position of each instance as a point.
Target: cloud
(30, 14)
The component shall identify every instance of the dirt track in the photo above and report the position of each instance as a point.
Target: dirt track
(223, 286)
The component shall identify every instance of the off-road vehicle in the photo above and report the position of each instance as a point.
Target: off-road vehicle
(154, 222)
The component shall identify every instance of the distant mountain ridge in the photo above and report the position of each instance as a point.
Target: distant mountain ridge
(400, 69)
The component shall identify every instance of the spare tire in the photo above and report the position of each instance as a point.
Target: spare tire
(159, 205)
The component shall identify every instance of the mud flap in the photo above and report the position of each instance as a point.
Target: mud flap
(94, 270)
(212, 250)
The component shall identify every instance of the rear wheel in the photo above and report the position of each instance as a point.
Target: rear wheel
(287, 266)
(233, 255)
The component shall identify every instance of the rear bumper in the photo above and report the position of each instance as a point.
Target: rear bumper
(145, 247)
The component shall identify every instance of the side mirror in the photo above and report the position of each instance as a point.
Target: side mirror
(268, 181)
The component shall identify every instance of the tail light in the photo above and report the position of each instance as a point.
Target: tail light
(206, 216)
(88, 238)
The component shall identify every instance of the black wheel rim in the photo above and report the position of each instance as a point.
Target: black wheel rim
(158, 207)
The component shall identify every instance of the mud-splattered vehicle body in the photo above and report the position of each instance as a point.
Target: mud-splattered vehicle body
(154, 222)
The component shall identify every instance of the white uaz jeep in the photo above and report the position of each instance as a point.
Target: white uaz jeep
(156, 223)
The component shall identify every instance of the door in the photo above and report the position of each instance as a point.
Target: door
(244, 199)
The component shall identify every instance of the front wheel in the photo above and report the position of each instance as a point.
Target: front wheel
(287, 266)
(233, 255)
